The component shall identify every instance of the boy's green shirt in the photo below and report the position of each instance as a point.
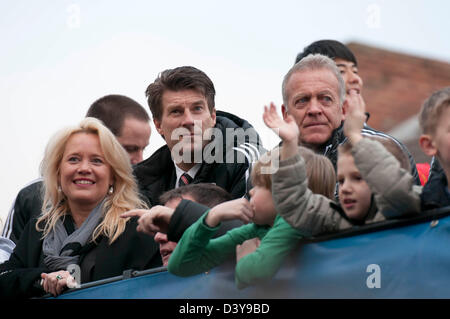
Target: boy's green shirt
(197, 252)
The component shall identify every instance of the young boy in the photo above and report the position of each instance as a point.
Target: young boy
(434, 121)
(205, 194)
(265, 243)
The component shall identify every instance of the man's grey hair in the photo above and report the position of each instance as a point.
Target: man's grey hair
(315, 62)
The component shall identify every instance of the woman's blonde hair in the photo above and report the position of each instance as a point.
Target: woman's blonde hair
(125, 194)
(319, 171)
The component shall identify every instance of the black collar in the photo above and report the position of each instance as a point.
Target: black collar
(357, 222)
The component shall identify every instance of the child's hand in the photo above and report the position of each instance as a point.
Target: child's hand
(286, 129)
(247, 247)
(234, 209)
(152, 220)
(354, 117)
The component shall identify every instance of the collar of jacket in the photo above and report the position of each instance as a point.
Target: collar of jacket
(337, 137)
(227, 122)
(373, 210)
(357, 222)
(329, 148)
(434, 193)
(160, 165)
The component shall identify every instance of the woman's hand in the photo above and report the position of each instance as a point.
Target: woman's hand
(56, 282)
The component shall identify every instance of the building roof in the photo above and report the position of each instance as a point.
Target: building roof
(395, 86)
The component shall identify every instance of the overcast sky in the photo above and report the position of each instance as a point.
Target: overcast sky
(58, 57)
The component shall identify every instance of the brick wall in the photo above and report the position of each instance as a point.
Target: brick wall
(396, 84)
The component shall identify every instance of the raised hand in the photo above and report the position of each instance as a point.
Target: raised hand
(234, 209)
(355, 116)
(287, 129)
(153, 220)
(55, 282)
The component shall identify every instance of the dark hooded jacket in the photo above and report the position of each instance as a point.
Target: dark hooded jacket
(157, 174)
(27, 205)
(435, 193)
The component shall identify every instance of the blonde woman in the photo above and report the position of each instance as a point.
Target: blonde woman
(88, 184)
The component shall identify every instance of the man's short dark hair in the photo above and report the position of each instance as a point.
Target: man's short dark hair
(181, 78)
(203, 193)
(113, 109)
(331, 48)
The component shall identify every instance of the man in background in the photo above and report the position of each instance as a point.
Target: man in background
(347, 65)
(127, 120)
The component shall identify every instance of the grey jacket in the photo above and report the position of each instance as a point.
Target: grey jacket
(314, 214)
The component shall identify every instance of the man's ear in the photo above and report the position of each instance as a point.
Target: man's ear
(344, 109)
(213, 116)
(427, 145)
(158, 126)
(284, 111)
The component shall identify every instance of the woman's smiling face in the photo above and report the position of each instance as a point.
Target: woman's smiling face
(84, 174)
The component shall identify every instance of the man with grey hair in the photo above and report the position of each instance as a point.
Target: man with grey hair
(314, 94)
(348, 66)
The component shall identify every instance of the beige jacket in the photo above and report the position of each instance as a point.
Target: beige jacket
(393, 188)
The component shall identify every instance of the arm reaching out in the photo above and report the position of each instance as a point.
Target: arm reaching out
(152, 220)
(235, 209)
